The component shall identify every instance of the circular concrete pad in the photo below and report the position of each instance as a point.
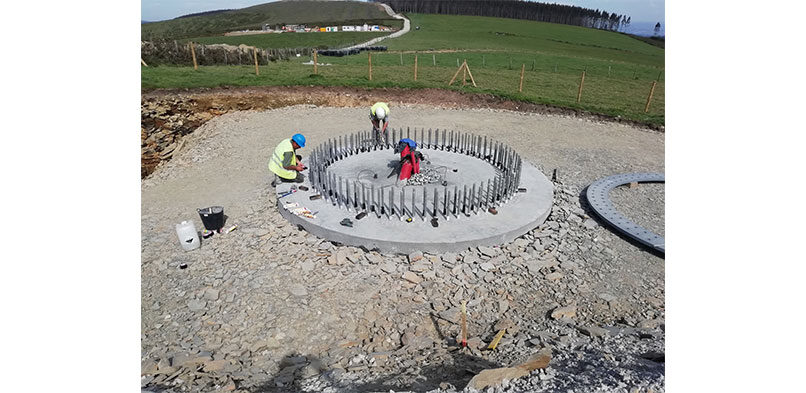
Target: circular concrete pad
(521, 213)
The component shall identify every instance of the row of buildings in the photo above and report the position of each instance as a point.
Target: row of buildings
(306, 29)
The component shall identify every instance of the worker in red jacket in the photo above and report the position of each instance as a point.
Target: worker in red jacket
(409, 158)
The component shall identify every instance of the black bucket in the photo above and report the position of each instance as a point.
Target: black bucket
(212, 217)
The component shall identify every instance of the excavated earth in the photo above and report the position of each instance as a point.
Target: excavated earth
(268, 307)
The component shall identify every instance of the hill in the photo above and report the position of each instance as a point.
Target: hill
(252, 18)
(477, 32)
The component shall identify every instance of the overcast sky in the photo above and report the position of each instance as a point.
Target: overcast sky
(155, 10)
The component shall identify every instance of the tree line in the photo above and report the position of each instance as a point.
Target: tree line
(516, 9)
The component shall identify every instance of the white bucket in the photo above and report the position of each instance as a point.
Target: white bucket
(188, 237)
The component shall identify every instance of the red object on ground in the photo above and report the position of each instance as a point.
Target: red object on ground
(410, 163)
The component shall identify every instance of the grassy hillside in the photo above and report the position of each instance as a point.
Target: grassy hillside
(619, 70)
(253, 18)
(293, 40)
(476, 32)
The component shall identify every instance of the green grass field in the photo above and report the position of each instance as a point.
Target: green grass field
(619, 70)
(293, 40)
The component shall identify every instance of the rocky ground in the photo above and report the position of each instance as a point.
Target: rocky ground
(268, 307)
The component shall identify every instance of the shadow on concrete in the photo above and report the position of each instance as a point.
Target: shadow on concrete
(583, 202)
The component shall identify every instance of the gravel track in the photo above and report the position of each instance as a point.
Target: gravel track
(271, 308)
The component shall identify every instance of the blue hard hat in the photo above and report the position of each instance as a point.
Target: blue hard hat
(412, 144)
(300, 139)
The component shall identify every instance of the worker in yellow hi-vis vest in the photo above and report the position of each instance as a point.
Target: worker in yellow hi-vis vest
(379, 116)
(285, 163)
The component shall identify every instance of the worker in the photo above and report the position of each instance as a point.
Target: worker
(285, 163)
(409, 158)
(379, 115)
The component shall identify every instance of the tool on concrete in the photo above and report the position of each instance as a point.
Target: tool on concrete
(315, 197)
(285, 194)
(521, 189)
(346, 222)
(303, 188)
(464, 324)
(360, 215)
(492, 211)
(183, 266)
(497, 339)
(434, 222)
(598, 195)
(230, 229)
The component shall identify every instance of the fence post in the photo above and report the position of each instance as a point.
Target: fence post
(520, 86)
(434, 58)
(257, 70)
(193, 52)
(649, 99)
(370, 65)
(533, 64)
(401, 58)
(315, 63)
(483, 62)
(415, 67)
(581, 83)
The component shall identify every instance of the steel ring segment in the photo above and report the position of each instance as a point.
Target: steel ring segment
(598, 195)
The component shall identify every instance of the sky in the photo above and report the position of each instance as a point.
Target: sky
(156, 10)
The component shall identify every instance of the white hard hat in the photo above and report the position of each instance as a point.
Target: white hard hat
(380, 113)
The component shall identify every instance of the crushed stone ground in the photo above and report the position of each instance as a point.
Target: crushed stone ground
(271, 308)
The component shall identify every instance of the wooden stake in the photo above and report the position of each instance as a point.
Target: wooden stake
(483, 62)
(608, 71)
(143, 62)
(370, 65)
(401, 58)
(193, 52)
(649, 99)
(434, 59)
(415, 67)
(464, 75)
(520, 86)
(471, 74)
(581, 83)
(464, 324)
(455, 75)
(254, 53)
(315, 64)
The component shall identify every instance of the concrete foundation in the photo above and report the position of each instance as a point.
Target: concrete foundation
(393, 233)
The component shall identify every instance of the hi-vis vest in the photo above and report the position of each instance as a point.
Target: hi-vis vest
(379, 105)
(276, 161)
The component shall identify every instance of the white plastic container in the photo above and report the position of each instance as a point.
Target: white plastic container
(188, 237)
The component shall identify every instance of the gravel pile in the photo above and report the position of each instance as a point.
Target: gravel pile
(268, 307)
